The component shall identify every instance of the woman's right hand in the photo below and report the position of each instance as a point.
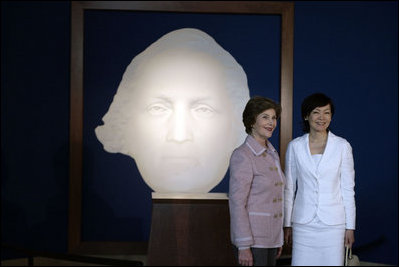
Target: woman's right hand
(288, 235)
(245, 257)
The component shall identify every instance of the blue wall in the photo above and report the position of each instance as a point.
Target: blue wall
(347, 50)
(35, 48)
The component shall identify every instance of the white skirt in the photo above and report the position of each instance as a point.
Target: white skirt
(317, 244)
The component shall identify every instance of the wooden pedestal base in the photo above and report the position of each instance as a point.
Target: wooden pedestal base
(190, 230)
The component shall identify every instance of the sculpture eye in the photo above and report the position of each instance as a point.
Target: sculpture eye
(203, 111)
(158, 109)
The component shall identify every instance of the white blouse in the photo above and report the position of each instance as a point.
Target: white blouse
(317, 158)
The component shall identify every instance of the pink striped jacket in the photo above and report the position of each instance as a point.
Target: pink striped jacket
(256, 192)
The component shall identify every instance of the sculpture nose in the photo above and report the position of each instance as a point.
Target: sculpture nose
(180, 126)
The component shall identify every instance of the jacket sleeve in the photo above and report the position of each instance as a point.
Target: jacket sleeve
(347, 186)
(241, 176)
(290, 184)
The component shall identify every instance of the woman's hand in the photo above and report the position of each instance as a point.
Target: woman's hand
(279, 251)
(245, 257)
(288, 235)
(349, 237)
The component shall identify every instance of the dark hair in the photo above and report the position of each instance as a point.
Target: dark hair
(310, 103)
(254, 107)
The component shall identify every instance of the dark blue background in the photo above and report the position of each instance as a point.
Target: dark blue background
(347, 50)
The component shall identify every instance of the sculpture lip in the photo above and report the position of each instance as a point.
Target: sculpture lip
(181, 161)
(179, 158)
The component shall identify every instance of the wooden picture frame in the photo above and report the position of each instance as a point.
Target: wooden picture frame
(283, 9)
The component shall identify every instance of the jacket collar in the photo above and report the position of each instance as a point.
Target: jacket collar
(257, 148)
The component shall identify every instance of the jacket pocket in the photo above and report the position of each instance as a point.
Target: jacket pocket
(260, 223)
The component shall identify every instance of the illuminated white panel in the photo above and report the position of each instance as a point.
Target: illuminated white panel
(178, 112)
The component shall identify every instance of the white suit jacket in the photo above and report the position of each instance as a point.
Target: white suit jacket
(326, 190)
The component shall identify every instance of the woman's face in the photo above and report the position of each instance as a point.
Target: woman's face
(319, 119)
(264, 125)
(181, 132)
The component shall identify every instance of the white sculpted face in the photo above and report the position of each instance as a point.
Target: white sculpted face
(179, 129)
(181, 125)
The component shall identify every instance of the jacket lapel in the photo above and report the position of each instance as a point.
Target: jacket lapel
(308, 156)
(327, 150)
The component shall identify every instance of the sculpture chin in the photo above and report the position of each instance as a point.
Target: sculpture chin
(185, 176)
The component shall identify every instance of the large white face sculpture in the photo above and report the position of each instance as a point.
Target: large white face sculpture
(177, 112)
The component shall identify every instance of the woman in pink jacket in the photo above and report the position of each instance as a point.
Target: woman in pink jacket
(257, 188)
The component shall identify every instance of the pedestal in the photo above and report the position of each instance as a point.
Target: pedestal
(190, 230)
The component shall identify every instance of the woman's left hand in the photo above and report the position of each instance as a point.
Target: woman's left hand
(279, 251)
(349, 238)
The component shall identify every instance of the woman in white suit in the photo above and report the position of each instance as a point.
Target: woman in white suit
(320, 211)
